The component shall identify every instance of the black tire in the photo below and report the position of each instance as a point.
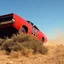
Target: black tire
(42, 39)
(22, 30)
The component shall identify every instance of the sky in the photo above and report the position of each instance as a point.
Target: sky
(47, 15)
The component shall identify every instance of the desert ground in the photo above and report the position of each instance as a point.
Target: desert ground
(55, 55)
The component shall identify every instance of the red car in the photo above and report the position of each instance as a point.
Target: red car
(12, 23)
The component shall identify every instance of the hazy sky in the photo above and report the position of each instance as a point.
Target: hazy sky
(47, 15)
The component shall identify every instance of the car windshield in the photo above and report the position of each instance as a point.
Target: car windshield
(36, 27)
(33, 25)
(30, 23)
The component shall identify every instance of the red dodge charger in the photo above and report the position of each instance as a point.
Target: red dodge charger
(12, 23)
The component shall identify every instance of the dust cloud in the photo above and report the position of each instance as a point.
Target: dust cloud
(59, 39)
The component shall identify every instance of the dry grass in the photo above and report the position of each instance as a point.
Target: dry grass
(24, 43)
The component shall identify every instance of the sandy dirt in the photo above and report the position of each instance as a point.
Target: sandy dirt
(55, 55)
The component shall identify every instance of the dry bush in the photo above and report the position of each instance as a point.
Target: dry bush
(27, 52)
(24, 43)
(10, 45)
(21, 37)
(15, 54)
(1, 41)
(36, 46)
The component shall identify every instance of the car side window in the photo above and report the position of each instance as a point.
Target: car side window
(34, 31)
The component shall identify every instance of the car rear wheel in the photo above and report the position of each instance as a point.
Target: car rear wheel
(22, 30)
(42, 39)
